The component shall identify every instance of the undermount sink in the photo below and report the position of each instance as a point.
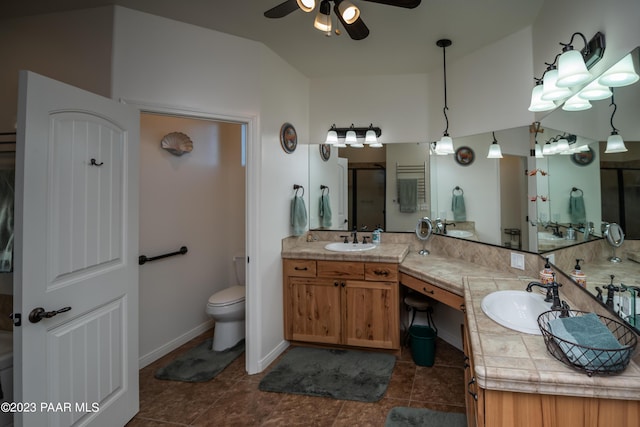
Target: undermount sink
(517, 310)
(463, 234)
(543, 235)
(349, 247)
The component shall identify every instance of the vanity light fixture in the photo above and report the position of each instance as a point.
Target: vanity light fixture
(563, 146)
(537, 103)
(595, 91)
(623, 73)
(572, 70)
(445, 145)
(494, 149)
(576, 103)
(615, 143)
(352, 134)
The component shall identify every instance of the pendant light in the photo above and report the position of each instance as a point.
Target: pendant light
(323, 18)
(572, 71)
(622, 73)
(494, 149)
(615, 143)
(445, 145)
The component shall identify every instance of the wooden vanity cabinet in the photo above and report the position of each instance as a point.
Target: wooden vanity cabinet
(474, 395)
(342, 303)
(432, 291)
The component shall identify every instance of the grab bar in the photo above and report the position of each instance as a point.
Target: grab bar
(143, 259)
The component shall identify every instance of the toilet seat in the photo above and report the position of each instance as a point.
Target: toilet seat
(229, 296)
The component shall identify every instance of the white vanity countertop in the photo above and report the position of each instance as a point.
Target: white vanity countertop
(512, 361)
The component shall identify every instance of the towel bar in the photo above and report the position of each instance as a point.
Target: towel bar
(142, 259)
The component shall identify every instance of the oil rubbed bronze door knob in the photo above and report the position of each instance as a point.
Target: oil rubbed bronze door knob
(39, 313)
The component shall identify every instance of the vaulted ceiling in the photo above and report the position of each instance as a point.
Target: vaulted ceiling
(401, 41)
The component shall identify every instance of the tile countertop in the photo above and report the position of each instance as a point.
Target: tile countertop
(512, 361)
(386, 252)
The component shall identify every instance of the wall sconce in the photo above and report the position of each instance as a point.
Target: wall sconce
(494, 149)
(572, 70)
(445, 145)
(615, 143)
(351, 135)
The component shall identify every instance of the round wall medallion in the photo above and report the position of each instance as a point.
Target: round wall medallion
(288, 138)
(464, 156)
(325, 151)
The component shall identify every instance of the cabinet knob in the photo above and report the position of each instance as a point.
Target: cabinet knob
(336, 284)
(381, 272)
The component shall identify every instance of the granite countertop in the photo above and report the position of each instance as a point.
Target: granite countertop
(508, 360)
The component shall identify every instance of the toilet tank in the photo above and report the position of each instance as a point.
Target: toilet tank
(240, 265)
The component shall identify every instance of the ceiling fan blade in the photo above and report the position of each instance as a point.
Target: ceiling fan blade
(357, 31)
(282, 10)
(409, 4)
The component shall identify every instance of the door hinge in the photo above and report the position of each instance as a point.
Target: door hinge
(17, 319)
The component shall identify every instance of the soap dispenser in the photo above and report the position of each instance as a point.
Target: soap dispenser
(578, 275)
(546, 274)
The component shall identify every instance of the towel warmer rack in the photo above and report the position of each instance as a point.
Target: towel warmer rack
(418, 172)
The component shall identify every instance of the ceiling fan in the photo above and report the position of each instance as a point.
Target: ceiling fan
(348, 14)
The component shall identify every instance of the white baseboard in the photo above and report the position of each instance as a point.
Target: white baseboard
(272, 355)
(156, 354)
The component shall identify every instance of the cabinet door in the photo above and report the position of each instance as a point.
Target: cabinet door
(371, 314)
(315, 310)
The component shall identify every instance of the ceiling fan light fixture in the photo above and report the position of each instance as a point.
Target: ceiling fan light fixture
(323, 17)
(349, 12)
(306, 5)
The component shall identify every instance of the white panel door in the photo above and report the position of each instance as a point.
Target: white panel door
(76, 251)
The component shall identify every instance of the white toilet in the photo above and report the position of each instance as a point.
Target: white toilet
(226, 307)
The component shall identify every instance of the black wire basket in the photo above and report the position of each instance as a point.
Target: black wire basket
(591, 360)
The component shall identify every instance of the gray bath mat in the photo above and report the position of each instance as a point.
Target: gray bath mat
(422, 417)
(200, 363)
(340, 374)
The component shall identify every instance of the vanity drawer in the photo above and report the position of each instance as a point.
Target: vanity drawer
(435, 292)
(381, 271)
(300, 267)
(341, 269)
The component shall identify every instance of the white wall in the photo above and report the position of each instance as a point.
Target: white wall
(161, 62)
(194, 200)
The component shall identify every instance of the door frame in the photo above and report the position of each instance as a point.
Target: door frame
(252, 201)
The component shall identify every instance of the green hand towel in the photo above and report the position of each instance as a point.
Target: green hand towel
(325, 211)
(577, 211)
(298, 216)
(408, 195)
(458, 208)
(588, 331)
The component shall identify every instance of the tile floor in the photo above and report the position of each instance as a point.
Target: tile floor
(233, 398)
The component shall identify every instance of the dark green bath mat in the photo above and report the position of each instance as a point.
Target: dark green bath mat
(200, 363)
(421, 417)
(340, 374)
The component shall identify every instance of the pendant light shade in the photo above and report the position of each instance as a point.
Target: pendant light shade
(323, 18)
(575, 103)
(595, 91)
(348, 11)
(550, 90)
(494, 149)
(445, 145)
(537, 104)
(572, 70)
(306, 5)
(615, 144)
(621, 74)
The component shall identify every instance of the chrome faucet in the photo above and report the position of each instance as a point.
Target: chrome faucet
(551, 288)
